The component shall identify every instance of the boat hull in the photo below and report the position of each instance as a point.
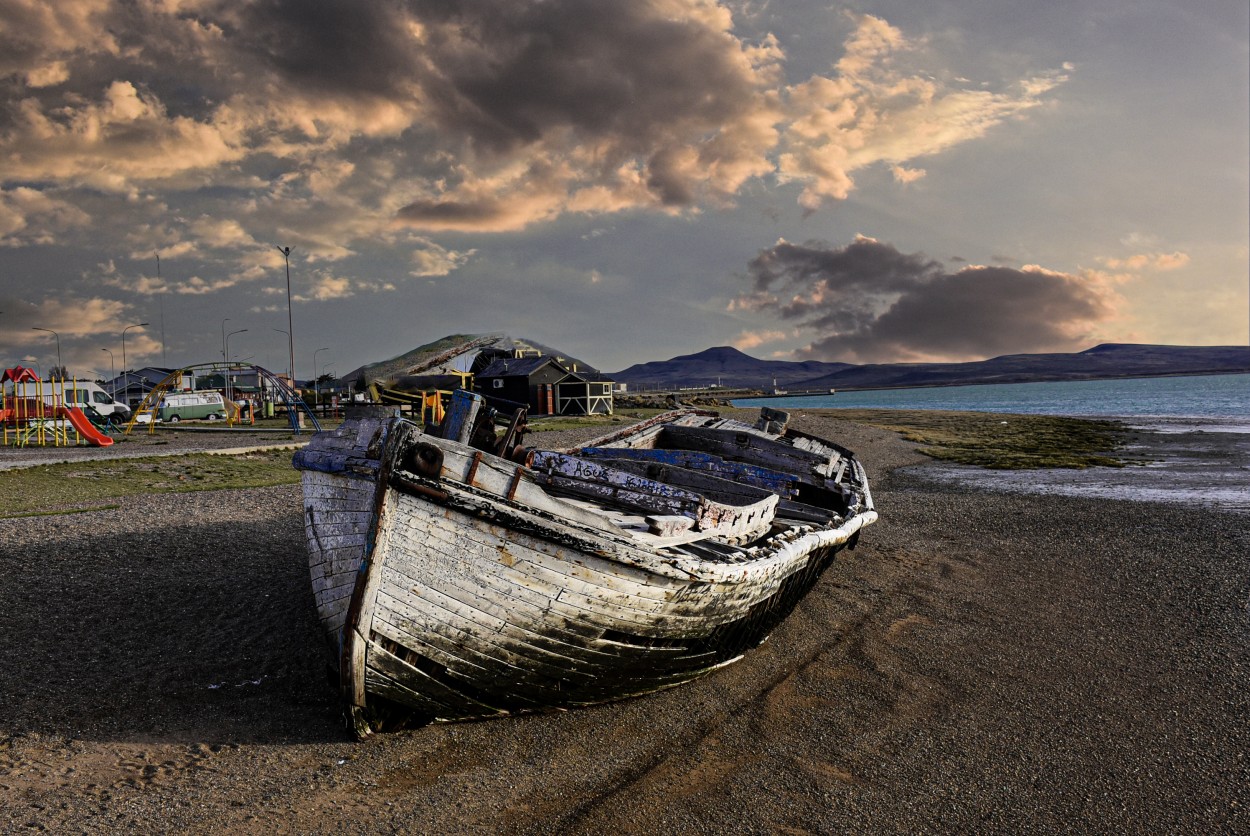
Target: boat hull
(442, 602)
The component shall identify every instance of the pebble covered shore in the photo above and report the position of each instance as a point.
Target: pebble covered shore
(982, 662)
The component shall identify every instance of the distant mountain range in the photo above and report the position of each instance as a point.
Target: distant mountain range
(731, 368)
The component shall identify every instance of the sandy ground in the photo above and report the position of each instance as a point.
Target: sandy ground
(983, 661)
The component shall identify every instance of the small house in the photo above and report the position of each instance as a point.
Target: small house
(521, 381)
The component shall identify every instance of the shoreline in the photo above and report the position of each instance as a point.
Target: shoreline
(1187, 462)
(981, 661)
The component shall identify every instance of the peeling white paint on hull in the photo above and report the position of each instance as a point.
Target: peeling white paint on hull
(455, 584)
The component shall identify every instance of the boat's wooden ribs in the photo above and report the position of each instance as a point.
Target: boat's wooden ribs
(718, 506)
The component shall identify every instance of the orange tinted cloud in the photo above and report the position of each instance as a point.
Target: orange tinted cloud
(464, 121)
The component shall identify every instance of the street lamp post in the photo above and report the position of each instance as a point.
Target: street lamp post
(113, 374)
(160, 297)
(58, 345)
(290, 334)
(316, 378)
(124, 369)
(226, 374)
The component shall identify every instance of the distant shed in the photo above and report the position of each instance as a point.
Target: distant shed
(584, 393)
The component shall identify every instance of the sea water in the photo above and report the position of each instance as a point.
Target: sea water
(1222, 399)
(1196, 443)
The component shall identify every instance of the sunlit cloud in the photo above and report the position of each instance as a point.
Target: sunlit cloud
(74, 316)
(1149, 261)
(432, 260)
(748, 340)
(660, 106)
(30, 217)
(902, 174)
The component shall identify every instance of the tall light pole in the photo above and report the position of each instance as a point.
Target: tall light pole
(58, 345)
(316, 384)
(124, 370)
(223, 339)
(290, 334)
(160, 297)
(113, 372)
(226, 375)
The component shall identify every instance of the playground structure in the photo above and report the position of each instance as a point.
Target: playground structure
(35, 412)
(427, 405)
(272, 389)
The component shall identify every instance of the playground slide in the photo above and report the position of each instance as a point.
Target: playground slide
(80, 422)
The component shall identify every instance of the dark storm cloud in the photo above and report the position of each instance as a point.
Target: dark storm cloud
(871, 303)
(508, 72)
(333, 46)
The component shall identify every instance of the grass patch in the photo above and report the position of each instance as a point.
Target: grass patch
(1000, 441)
(70, 485)
(58, 512)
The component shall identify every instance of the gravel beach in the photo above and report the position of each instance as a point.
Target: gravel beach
(984, 661)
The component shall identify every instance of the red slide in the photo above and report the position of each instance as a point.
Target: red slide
(79, 421)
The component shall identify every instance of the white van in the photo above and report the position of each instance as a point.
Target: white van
(186, 406)
(84, 394)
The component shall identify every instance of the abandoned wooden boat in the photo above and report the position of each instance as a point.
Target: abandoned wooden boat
(461, 576)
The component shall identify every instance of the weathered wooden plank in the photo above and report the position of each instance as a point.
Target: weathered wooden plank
(327, 586)
(531, 611)
(585, 605)
(461, 415)
(644, 433)
(642, 673)
(502, 544)
(335, 544)
(745, 446)
(517, 621)
(669, 526)
(445, 696)
(729, 510)
(461, 657)
(337, 562)
(382, 685)
(779, 559)
(332, 624)
(492, 635)
(511, 562)
(496, 476)
(704, 483)
(338, 515)
(335, 492)
(741, 472)
(550, 463)
(331, 601)
(392, 626)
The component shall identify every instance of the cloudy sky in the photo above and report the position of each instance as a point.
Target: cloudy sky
(875, 180)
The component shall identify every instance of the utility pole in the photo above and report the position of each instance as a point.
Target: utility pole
(290, 334)
(160, 297)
